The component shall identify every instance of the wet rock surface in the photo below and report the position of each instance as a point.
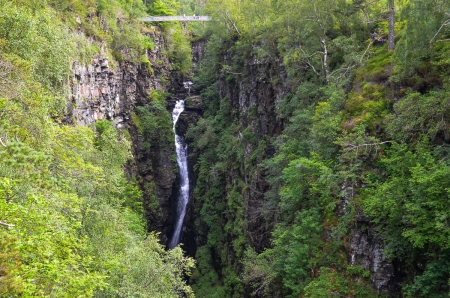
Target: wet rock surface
(190, 115)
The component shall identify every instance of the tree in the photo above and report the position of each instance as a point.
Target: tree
(391, 21)
(426, 32)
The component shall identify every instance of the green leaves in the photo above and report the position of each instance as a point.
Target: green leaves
(37, 38)
(73, 230)
(433, 282)
(426, 24)
(421, 115)
(164, 8)
(412, 198)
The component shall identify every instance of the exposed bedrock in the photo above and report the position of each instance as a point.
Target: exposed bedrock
(104, 91)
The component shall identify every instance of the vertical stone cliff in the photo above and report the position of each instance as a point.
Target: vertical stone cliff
(250, 91)
(253, 97)
(102, 91)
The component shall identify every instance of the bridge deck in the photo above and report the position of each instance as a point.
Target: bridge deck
(177, 18)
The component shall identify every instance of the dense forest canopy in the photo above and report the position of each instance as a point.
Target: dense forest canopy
(358, 142)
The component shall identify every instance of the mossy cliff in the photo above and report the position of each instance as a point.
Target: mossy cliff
(322, 155)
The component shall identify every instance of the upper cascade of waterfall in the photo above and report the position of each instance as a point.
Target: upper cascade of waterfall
(179, 108)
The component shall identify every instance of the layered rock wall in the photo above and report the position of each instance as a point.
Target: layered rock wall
(103, 91)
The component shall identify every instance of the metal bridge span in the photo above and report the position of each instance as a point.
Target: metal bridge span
(177, 18)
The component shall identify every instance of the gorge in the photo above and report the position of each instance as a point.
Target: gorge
(280, 150)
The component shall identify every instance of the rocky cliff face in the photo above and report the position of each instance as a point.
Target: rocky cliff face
(253, 102)
(252, 93)
(100, 91)
(366, 249)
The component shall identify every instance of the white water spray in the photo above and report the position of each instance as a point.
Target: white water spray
(183, 196)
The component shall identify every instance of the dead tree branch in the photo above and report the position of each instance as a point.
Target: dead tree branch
(231, 21)
(6, 224)
(350, 147)
(446, 23)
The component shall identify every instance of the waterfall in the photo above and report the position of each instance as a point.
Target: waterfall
(183, 197)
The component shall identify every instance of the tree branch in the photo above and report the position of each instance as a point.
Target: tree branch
(308, 62)
(6, 224)
(440, 28)
(325, 64)
(351, 147)
(365, 52)
(231, 21)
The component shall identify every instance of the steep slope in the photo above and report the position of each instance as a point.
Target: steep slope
(322, 156)
(71, 222)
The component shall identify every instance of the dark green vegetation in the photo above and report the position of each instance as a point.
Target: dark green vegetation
(358, 131)
(71, 224)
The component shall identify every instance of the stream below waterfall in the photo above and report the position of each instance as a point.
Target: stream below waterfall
(183, 195)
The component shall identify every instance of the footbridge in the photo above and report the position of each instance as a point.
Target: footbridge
(176, 18)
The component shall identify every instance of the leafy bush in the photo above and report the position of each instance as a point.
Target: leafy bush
(36, 42)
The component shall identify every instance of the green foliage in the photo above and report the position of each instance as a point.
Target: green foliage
(154, 121)
(329, 106)
(178, 46)
(326, 121)
(71, 211)
(78, 228)
(205, 276)
(358, 271)
(293, 247)
(35, 40)
(434, 280)
(258, 271)
(410, 200)
(179, 50)
(148, 270)
(348, 102)
(419, 115)
(75, 222)
(332, 283)
(421, 32)
(10, 282)
(164, 8)
(107, 22)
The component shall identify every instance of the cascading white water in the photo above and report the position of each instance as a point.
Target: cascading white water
(183, 196)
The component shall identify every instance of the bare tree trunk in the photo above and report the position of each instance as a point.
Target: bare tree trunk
(325, 63)
(391, 21)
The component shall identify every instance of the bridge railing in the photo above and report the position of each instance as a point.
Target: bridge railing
(176, 18)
